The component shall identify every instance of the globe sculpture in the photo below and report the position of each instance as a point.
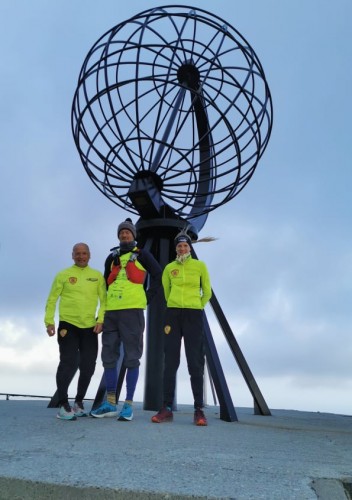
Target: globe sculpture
(171, 115)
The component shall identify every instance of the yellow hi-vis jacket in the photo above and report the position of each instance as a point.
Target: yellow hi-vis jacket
(80, 289)
(124, 293)
(186, 285)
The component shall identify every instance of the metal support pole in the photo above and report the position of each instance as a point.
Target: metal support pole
(260, 404)
(227, 410)
(54, 402)
(153, 396)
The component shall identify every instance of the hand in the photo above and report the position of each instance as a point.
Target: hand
(50, 330)
(98, 328)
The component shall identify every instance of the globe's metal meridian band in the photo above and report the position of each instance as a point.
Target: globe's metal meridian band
(176, 95)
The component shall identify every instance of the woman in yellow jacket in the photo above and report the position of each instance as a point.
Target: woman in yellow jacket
(187, 290)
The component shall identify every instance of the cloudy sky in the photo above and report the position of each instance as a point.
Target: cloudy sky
(282, 264)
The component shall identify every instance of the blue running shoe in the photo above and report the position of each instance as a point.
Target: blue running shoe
(106, 409)
(127, 412)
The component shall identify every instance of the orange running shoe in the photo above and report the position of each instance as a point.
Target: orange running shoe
(164, 415)
(200, 418)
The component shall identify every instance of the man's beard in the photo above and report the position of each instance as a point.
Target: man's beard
(127, 246)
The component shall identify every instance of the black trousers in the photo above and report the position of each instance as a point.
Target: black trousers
(124, 326)
(186, 323)
(78, 348)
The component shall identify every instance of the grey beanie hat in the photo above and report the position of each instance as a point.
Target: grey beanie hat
(182, 237)
(127, 224)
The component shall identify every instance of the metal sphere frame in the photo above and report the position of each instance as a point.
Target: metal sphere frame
(171, 115)
(174, 98)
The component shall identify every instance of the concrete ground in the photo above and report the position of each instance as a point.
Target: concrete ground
(290, 455)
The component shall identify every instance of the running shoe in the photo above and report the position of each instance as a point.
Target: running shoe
(106, 409)
(66, 412)
(199, 417)
(164, 415)
(126, 413)
(79, 410)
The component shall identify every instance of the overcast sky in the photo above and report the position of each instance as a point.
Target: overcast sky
(282, 264)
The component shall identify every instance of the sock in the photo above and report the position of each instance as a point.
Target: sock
(111, 398)
(131, 382)
(110, 375)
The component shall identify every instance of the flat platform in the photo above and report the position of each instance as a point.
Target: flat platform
(291, 455)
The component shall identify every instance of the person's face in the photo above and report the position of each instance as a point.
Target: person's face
(126, 235)
(81, 255)
(182, 248)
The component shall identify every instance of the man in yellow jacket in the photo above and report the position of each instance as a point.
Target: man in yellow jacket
(126, 269)
(187, 290)
(82, 294)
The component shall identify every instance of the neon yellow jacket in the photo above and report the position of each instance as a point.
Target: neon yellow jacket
(186, 285)
(123, 293)
(79, 289)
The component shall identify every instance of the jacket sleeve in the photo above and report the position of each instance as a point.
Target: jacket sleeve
(206, 286)
(152, 266)
(107, 268)
(102, 299)
(54, 294)
(166, 284)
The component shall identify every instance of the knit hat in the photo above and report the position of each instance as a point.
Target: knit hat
(127, 224)
(182, 237)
